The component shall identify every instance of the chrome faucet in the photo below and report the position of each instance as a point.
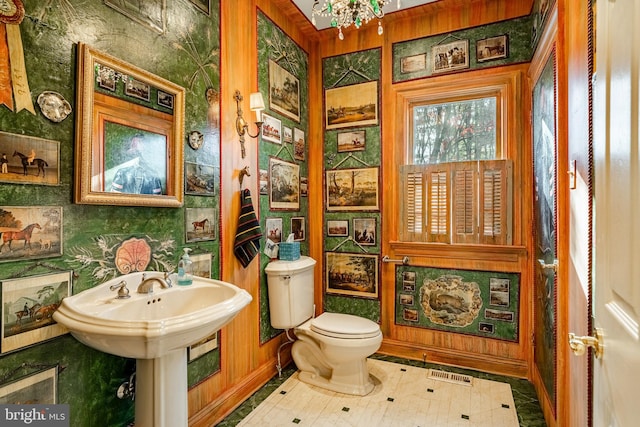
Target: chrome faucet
(146, 285)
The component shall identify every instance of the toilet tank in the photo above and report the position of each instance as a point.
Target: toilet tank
(290, 288)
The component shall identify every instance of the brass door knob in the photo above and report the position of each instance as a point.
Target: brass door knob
(579, 345)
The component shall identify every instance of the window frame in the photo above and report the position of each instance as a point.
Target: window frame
(507, 84)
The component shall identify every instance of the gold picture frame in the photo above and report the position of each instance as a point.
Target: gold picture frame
(119, 135)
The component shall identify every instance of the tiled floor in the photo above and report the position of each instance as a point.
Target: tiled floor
(403, 396)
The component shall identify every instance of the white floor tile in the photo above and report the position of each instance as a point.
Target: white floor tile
(400, 398)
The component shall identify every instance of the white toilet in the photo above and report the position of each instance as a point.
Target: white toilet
(332, 349)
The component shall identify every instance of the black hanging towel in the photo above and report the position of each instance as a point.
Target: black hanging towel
(248, 234)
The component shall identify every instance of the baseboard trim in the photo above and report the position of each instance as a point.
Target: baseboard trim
(480, 362)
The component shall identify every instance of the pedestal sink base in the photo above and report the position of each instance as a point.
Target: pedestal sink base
(161, 391)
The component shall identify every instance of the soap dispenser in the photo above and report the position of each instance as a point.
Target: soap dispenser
(185, 275)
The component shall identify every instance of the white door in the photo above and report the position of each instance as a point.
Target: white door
(617, 212)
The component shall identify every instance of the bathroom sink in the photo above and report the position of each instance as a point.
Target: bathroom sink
(148, 326)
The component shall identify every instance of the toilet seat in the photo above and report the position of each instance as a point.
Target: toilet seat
(345, 326)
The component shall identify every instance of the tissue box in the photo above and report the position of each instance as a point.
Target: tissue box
(289, 251)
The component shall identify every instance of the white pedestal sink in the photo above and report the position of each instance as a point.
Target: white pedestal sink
(156, 330)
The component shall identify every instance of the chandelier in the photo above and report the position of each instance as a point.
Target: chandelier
(343, 13)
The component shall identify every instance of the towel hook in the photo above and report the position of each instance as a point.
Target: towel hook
(244, 171)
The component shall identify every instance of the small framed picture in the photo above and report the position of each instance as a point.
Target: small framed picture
(30, 232)
(28, 305)
(200, 224)
(499, 292)
(351, 141)
(364, 231)
(298, 228)
(40, 387)
(298, 144)
(450, 57)
(201, 265)
(406, 299)
(165, 99)
(106, 77)
(284, 185)
(200, 179)
(410, 314)
(271, 129)
(492, 48)
(487, 328)
(338, 228)
(264, 182)
(304, 186)
(137, 89)
(504, 316)
(273, 228)
(287, 134)
(413, 63)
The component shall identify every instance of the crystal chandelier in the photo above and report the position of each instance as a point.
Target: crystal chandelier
(343, 13)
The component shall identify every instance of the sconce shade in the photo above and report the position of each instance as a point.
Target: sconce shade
(256, 103)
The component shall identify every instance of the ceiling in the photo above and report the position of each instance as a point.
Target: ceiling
(322, 23)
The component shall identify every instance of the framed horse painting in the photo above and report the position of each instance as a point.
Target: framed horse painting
(200, 224)
(30, 232)
(28, 304)
(29, 160)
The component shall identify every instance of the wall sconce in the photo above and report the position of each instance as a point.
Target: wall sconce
(256, 103)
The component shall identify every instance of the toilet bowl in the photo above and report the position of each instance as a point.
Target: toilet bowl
(332, 349)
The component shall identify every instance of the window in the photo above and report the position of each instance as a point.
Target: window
(456, 180)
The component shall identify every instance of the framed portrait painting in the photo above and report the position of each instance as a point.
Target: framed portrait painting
(284, 185)
(351, 106)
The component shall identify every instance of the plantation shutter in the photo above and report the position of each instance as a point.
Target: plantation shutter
(495, 200)
(465, 202)
(458, 202)
(438, 203)
(412, 206)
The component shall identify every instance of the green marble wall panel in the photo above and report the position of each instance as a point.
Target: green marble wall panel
(186, 53)
(276, 46)
(519, 49)
(480, 303)
(338, 72)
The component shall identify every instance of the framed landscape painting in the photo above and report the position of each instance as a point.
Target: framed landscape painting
(352, 189)
(351, 106)
(284, 92)
(352, 274)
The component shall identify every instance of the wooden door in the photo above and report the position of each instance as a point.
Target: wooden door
(617, 204)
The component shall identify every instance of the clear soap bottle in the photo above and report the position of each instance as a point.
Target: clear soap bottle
(185, 274)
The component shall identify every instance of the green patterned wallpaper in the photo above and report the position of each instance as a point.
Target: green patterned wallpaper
(278, 52)
(519, 48)
(341, 72)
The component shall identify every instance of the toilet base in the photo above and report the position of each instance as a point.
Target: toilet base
(334, 384)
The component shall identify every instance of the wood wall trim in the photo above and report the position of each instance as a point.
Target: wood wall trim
(485, 363)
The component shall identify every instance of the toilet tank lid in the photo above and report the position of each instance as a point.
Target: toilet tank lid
(288, 267)
(346, 324)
